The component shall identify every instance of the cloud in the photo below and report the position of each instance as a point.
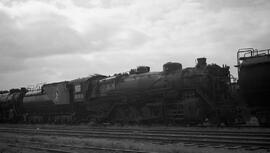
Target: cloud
(51, 31)
(54, 40)
(35, 29)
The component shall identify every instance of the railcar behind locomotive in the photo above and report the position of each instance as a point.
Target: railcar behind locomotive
(254, 81)
(174, 95)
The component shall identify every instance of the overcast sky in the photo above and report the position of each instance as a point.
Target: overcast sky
(50, 41)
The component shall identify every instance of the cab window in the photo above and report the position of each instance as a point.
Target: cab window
(78, 88)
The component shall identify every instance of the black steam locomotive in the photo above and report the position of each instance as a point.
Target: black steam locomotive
(190, 95)
(174, 95)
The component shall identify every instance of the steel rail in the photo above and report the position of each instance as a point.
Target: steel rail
(159, 138)
(68, 146)
(165, 131)
(189, 132)
(118, 133)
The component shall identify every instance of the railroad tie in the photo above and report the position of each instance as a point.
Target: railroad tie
(255, 148)
(203, 145)
(234, 147)
(189, 144)
(41, 148)
(219, 146)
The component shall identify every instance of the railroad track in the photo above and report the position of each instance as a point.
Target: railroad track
(159, 131)
(180, 131)
(231, 140)
(63, 148)
(164, 131)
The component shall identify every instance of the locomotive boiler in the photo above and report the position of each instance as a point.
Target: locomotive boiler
(172, 95)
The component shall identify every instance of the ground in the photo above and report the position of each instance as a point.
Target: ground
(101, 142)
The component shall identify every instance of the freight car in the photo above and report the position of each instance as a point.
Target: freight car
(254, 81)
(174, 95)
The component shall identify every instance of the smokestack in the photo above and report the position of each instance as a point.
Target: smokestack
(201, 62)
